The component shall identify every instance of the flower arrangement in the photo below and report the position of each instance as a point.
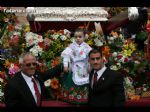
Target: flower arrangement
(12, 44)
(53, 85)
(55, 42)
(3, 79)
(130, 62)
(121, 54)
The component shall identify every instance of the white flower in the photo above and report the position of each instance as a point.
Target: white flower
(47, 83)
(63, 37)
(55, 36)
(113, 67)
(33, 39)
(16, 33)
(114, 54)
(121, 36)
(36, 50)
(67, 32)
(137, 62)
(72, 40)
(78, 97)
(1, 80)
(98, 42)
(111, 38)
(11, 65)
(86, 36)
(1, 94)
(118, 64)
(109, 42)
(127, 81)
(122, 59)
(18, 27)
(144, 89)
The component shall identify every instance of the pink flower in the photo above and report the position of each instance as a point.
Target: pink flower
(1, 8)
(71, 96)
(13, 69)
(72, 88)
(6, 20)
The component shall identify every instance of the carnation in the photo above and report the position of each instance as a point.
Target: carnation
(114, 54)
(63, 37)
(36, 50)
(55, 36)
(98, 42)
(47, 83)
(33, 39)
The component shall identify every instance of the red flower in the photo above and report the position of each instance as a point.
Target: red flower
(51, 31)
(125, 59)
(148, 27)
(41, 44)
(2, 74)
(72, 88)
(61, 32)
(119, 56)
(55, 62)
(14, 40)
(10, 28)
(54, 83)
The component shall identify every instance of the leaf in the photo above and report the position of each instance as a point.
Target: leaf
(142, 35)
(3, 30)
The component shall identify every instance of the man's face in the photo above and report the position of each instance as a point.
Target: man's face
(96, 61)
(79, 37)
(29, 65)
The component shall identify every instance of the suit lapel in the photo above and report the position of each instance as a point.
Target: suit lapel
(25, 89)
(101, 81)
(104, 76)
(90, 77)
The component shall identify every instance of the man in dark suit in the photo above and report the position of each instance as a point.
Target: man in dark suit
(106, 86)
(27, 88)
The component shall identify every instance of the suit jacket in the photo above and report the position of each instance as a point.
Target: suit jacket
(108, 90)
(17, 92)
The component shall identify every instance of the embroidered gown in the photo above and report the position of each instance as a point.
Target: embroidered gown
(75, 83)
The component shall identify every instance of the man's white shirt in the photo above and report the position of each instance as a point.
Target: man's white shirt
(30, 85)
(99, 73)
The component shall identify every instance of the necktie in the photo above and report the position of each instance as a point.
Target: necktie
(95, 78)
(37, 93)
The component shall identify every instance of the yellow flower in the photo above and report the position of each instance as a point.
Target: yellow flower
(90, 42)
(127, 52)
(27, 29)
(126, 46)
(132, 46)
(7, 63)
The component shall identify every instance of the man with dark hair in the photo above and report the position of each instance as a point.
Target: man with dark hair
(106, 86)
